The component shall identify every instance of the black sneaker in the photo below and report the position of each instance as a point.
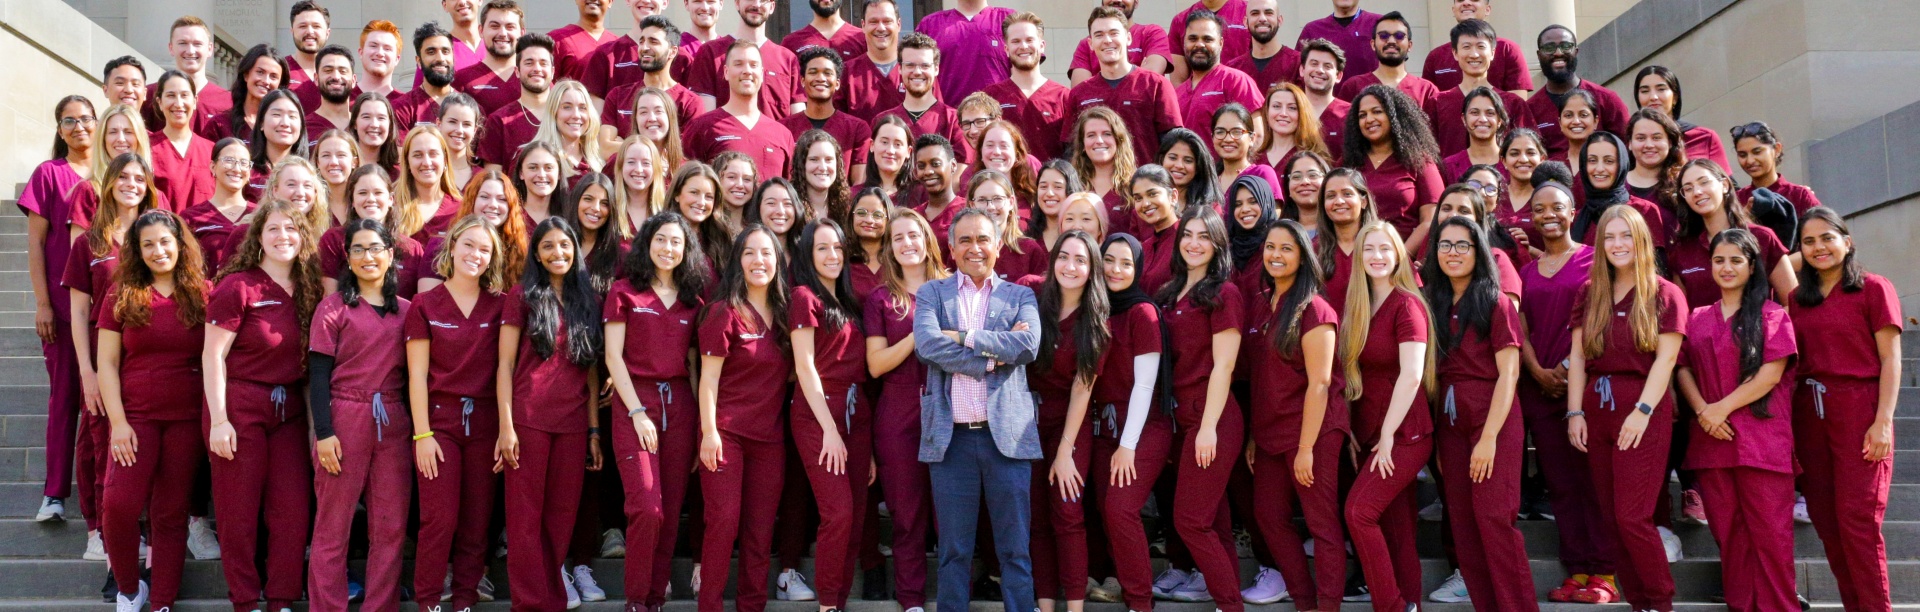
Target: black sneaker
(1356, 590)
(873, 584)
(986, 589)
(1541, 509)
(110, 589)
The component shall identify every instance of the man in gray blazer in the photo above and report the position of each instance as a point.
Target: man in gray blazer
(976, 333)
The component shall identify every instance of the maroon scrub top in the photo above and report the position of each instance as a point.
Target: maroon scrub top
(618, 109)
(549, 393)
(1704, 143)
(1200, 97)
(937, 119)
(1471, 367)
(413, 108)
(1236, 41)
(1146, 102)
(973, 52)
(1157, 255)
(1149, 40)
(865, 91)
(1192, 328)
(1399, 191)
(90, 274)
(573, 47)
(779, 88)
(1844, 325)
(1421, 90)
(182, 177)
(659, 337)
(1509, 71)
(1053, 381)
(1135, 332)
(507, 129)
(1282, 67)
(1607, 108)
(1712, 353)
(161, 360)
(46, 194)
(266, 323)
(1339, 273)
(612, 64)
(1355, 38)
(1041, 117)
(1547, 303)
(853, 135)
(1333, 127)
(884, 320)
(1621, 355)
(86, 202)
(466, 345)
(410, 260)
(487, 87)
(1279, 382)
(1690, 260)
(1448, 118)
(850, 41)
(1802, 197)
(437, 226)
(768, 142)
(369, 354)
(754, 363)
(1401, 318)
(216, 233)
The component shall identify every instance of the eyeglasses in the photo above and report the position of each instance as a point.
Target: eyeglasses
(68, 123)
(974, 124)
(1454, 248)
(1229, 132)
(1390, 36)
(1481, 187)
(372, 250)
(234, 162)
(868, 214)
(1559, 47)
(1310, 175)
(992, 201)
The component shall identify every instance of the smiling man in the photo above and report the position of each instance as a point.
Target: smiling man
(1234, 41)
(337, 86)
(517, 123)
(658, 54)
(617, 62)
(379, 55)
(575, 43)
(1392, 42)
(1267, 60)
(820, 68)
(312, 26)
(922, 108)
(1506, 68)
(1210, 85)
(1349, 28)
(1473, 48)
(191, 45)
(1150, 49)
(1028, 99)
(433, 53)
(1145, 101)
(935, 167)
(741, 124)
(779, 94)
(491, 80)
(1559, 55)
(872, 79)
(1320, 63)
(827, 30)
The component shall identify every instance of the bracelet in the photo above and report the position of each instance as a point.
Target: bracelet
(1574, 413)
(593, 431)
(422, 436)
(636, 412)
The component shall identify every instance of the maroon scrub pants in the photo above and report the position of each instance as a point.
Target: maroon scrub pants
(1587, 545)
(376, 448)
(907, 488)
(1275, 496)
(1059, 530)
(742, 498)
(269, 480)
(1203, 518)
(1750, 512)
(1380, 516)
(1627, 485)
(168, 454)
(1490, 551)
(841, 498)
(456, 508)
(1120, 507)
(656, 485)
(1846, 494)
(63, 411)
(543, 500)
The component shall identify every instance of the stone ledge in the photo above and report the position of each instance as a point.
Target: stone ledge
(66, 35)
(1640, 32)
(1870, 164)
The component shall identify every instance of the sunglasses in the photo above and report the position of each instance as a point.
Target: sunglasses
(1390, 36)
(1757, 129)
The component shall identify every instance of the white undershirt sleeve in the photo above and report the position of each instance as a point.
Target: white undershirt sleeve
(1146, 369)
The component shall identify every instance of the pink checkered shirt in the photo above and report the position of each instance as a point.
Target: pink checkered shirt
(969, 394)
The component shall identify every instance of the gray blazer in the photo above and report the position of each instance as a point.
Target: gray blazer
(1010, 407)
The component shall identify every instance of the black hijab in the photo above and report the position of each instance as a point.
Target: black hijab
(1599, 200)
(1125, 299)
(1245, 243)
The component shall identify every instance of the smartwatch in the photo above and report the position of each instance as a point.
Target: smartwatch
(1643, 408)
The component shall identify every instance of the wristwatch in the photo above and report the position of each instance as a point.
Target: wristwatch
(1643, 408)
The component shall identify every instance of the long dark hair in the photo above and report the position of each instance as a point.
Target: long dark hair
(840, 305)
(1749, 322)
(572, 310)
(1037, 225)
(603, 262)
(1202, 189)
(1852, 274)
(802, 213)
(1206, 292)
(1492, 229)
(258, 144)
(350, 283)
(1665, 74)
(1413, 143)
(1329, 236)
(60, 144)
(733, 286)
(388, 155)
(1090, 333)
(1667, 191)
(1476, 304)
(902, 181)
(691, 277)
(1306, 285)
(1283, 201)
(236, 115)
(133, 280)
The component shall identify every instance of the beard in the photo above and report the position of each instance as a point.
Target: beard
(1392, 61)
(753, 20)
(653, 66)
(535, 87)
(1202, 60)
(438, 74)
(1027, 63)
(1258, 38)
(1562, 76)
(336, 92)
(824, 9)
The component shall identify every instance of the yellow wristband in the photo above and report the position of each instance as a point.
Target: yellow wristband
(422, 436)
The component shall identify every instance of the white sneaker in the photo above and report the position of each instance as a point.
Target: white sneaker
(201, 539)
(589, 589)
(1104, 592)
(792, 586)
(96, 550)
(121, 603)
(1169, 580)
(1800, 515)
(573, 596)
(1454, 590)
(693, 584)
(51, 509)
(144, 551)
(1268, 587)
(1193, 591)
(1433, 512)
(1672, 543)
(485, 589)
(446, 587)
(1308, 547)
(613, 544)
(915, 608)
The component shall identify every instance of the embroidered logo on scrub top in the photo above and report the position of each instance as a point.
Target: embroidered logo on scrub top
(266, 303)
(725, 138)
(208, 228)
(1693, 270)
(101, 260)
(483, 86)
(645, 310)
(746, 336)
(1212, 93)
(442, 325)
(626, 64)
(1092, 101)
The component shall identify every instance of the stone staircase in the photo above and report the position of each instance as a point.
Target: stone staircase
(41, 570)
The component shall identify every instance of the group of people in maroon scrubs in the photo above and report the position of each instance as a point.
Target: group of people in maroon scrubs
(1282, 280)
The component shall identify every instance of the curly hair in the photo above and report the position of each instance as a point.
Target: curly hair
(306, 274)
(1407, 132)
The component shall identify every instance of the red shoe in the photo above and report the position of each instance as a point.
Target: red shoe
(1598, 591)
(1564, 592)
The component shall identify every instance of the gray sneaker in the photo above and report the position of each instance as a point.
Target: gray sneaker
(1194, 590)
(1170, 579)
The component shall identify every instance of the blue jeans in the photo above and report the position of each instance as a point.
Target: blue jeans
(974, 471)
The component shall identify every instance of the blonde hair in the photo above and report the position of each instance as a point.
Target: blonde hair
(100, 157)
(550, 128)
(1644, 315)
(408, 196)
(1123, 161)
(1098, 205)
(895, 279)
(320, 216)
(494, 278)
(980, 101)
(656, 192)
(669, 144)
(1356, 322)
